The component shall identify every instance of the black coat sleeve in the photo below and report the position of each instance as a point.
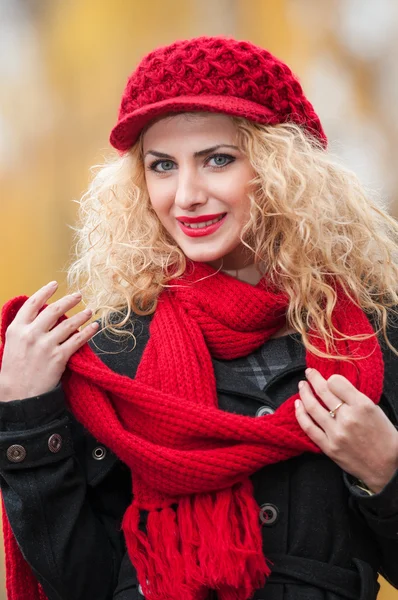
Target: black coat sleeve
(64, 495)
(380, 511)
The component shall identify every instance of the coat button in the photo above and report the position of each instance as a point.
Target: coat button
(99, 453)
(268, 514)
(55, 442)
(264, 410)
(16, 453)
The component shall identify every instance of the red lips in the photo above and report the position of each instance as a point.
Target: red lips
(199, 219)
(205, 230)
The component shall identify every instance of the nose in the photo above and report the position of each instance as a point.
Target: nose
(190, 190)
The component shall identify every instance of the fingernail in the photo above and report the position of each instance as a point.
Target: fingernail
(77, 295)
(88, 311)
(308, 371)
(297, 403)
(301, 383)
(52, 283)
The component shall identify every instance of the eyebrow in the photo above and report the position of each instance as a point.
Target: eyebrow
(196, 154)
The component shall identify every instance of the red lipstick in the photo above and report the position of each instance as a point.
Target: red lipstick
(201, 231)
(199, 219)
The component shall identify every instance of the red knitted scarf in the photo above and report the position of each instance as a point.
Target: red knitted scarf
(190, 461)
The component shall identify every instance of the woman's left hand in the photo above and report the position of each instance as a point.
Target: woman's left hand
(360, 438)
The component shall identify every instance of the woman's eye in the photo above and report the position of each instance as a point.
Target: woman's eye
(220, 160)
(215, 161)
(166, 165)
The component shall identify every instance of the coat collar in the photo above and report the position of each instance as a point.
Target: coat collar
(230, 381)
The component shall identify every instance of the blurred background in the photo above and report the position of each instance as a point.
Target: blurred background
(63, 66)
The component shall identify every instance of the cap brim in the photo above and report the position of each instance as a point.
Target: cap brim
(126, 132)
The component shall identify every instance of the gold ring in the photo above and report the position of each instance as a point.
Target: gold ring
(332, 413)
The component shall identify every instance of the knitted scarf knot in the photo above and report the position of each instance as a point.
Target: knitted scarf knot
(191, 462)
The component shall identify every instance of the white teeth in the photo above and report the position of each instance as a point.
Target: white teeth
(204, 224)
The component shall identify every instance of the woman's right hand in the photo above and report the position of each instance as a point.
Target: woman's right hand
(36, 349)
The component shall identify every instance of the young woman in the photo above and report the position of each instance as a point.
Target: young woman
(227, 428)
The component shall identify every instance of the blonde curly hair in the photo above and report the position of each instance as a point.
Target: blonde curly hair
(311, 223)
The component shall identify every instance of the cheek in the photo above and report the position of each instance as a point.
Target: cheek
(235, 196)
(234, 188)
(161, 196)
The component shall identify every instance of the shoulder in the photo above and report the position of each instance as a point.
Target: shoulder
(390, 396)
(122, 354)
(390, 358)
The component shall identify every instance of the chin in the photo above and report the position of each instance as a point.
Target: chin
(206, 255)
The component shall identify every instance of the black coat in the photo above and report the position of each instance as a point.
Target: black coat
(65, 495)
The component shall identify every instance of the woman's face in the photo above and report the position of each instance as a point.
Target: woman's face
(197, 179)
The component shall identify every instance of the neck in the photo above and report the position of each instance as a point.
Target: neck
(239, 258)
(250, 274)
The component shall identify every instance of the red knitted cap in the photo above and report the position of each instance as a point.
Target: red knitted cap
(214, 74)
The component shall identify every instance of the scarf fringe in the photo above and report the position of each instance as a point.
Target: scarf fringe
(210, 541)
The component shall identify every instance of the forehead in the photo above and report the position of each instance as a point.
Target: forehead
(194, 127)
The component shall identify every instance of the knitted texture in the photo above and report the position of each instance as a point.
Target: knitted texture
(214, 74)
(190, 461)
